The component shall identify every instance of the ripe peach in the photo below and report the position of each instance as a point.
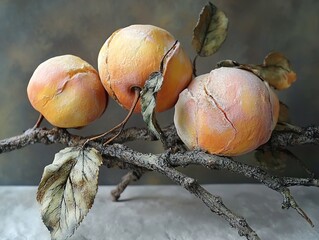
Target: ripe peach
(227, 112)
(131, 54)
(67, 91)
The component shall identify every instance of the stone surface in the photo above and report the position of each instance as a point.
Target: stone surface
(166, 212)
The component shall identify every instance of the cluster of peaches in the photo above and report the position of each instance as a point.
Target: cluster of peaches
(228, 111)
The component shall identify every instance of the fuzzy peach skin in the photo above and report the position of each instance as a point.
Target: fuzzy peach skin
(227, 112)
(67, 91)
(131, 54)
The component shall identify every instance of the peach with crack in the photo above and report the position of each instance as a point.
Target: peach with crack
(227, 112)
(67, 91)
(131, 54)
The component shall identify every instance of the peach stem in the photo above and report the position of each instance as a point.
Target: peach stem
(121, 125)
(38, 123)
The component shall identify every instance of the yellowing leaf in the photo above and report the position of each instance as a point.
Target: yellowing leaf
(210, 31)
(280, 74)
(275, 70)
(67, 190)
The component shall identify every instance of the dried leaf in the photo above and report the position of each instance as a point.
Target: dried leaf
(67, 190)
(210, 31)
(284, 126)
(277, 59)
(271, 160)
(281, 75)
(149, 92)
(283, 113)
(227, 63)
(148, 102)
(277, 160)
(275, 70)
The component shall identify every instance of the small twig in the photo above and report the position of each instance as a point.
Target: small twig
(289, 201)
(123, 157)
(214, 203)
(309, 182)
(283, 139)
(225, 163)
(159, 164)
(131, 176)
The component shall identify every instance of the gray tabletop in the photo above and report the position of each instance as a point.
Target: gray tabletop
(166, 212)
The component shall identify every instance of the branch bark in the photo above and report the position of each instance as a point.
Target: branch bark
(118, 155)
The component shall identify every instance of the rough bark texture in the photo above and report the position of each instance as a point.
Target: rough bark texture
(116, 154)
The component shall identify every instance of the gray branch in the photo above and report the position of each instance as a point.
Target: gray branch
(118, 155)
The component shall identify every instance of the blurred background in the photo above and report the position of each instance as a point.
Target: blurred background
(33, 31)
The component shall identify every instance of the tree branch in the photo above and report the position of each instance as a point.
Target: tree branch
(131, 176)
(159, 163)
(117, 155)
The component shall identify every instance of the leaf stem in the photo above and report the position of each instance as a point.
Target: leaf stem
(121, 125)
(39, 121)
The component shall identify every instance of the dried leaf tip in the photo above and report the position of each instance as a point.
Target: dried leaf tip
(210, 31)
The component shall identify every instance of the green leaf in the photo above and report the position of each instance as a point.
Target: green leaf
(67, 190)
(210, 31)
(148, 102)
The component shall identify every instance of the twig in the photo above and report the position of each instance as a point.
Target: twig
(159, 163)
(131, 176)
(223, 163)
(123, 157)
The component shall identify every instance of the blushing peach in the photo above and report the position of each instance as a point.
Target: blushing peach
(131, 54)
(227, 112)
(67, 91)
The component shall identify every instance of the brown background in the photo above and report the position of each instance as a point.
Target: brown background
(33, 31)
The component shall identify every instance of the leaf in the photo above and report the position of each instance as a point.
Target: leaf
(227, 63)
(149, 92)
(277, 59)
(67, 190)
(148, 102)
(210, 31)
(271, 160)
(284, 126)
(277, 160)
(283, 113)
(275, 70)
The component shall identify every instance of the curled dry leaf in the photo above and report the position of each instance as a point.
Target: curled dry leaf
(149, 92)
(210, 31)
(148, 102)
(67, 190)
(276, 70)
(280, 74)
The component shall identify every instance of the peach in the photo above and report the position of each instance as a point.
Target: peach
(67, 91)
(131, 54)
(227, 112)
